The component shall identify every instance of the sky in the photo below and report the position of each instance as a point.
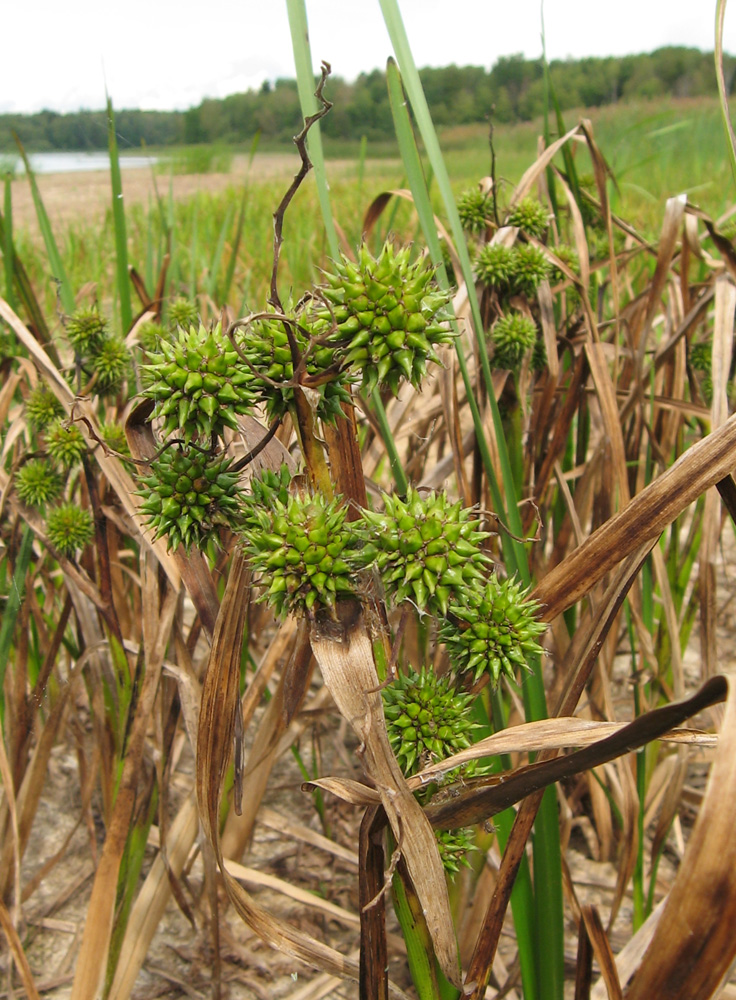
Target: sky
(164, 55)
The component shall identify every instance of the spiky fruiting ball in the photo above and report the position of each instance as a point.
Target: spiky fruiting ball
(114, 437)
(183, 313)
(495, 636)
(265, 343)
(454, 847)
(427, 549)
(37, 483)
(69, 527)
(188, 496)
(530, 216)
(701, 356)
(531, 267)
(264, 490)
(42, 407)
(475, 209)
(149, 335)
(495, 266)
(199, 383)
(86, 329)
(512, 335)
(304, 552)
(428, 718)
(65, 444)
(390, 316)
(110, 362)
(569, 256)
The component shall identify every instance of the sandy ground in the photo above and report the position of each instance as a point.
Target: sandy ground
(87, 195)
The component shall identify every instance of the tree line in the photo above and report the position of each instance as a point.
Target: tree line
(513, 90)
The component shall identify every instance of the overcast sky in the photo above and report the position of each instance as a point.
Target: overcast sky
(161, 54)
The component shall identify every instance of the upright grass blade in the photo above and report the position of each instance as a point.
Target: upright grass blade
(305, 83)
(66, 295)
(217, 257)
(8, 242)
(230, 273)
(722, 92)
(12, 607)
(548, 917)
(118, 215)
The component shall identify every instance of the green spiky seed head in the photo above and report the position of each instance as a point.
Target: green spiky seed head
(428, 718)
(475, 209)
(65, 444)
(426, 548)
(495, 266)
(86, 329)
(495, 636)
(569, 256)
(110, 362)
(390, 316)
(183, 313)
(701, 356)
(199, 383)
(69, 527)
(42, 407)
(265, 343)
(37, 483)
(530, 269)
(454, 847)
(512, 336)
(150, 334)
(114, 437)
(530, 216)
(264, 490)
(188, 496)
(304, 552)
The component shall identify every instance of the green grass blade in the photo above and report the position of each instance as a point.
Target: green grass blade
(66, 295)
(13, 603)
(305, 84)
(230, 272)
(8, 253)
(722, 92)
(118, 217)
(217, 257)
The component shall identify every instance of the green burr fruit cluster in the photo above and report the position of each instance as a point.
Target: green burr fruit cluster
(701, 356)
(265, 343)
(512, 270)
(426, 549)
(427, 718)
(110, 362)
(512, 336)
(530, 216)
(531, 267)
(37, 482)
(454, 847)
(265, 489)
(188, 496)
(42, 407)
(86, 329)
(494, 636)
(390, 316)
(69, 527)
(183, 313)
(304, 552)
(475, 209)
(150, 334)
(114, 437)
(199, 383)
(569, 256)
(65, 444)
(495, 266)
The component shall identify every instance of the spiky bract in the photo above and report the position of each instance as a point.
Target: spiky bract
(390, 316)
(42, 407)
(199, 383)
(265, 489)
(531, 267)
(265, 343)
(37, 483)
(86, 329)
(495, 636)
(65, 444)
(110, 362)
(69, 527)
(512, 335)
(530, 216)
(304, 552)
(188, 496)
(427, 549)
(475, 208)
(427, 717)
(454, 847)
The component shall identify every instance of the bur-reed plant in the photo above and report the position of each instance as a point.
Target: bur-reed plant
(570, 464)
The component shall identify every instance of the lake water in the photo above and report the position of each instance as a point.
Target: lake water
(65, 163)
